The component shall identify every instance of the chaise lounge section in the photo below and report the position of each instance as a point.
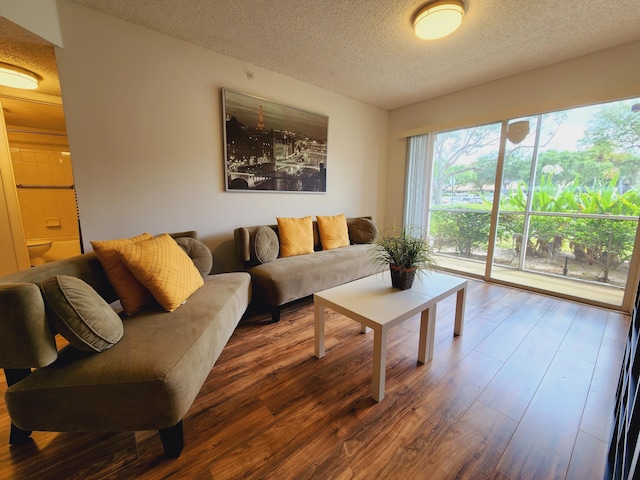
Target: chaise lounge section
(147, 380)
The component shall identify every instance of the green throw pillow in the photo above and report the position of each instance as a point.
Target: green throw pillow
(362, 230)
(81, 315)
(265, 245)
(198, 252)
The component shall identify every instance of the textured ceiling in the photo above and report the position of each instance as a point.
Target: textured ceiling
(24, 49)
(364, 49)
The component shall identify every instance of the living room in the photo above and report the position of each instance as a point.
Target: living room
(144, 121)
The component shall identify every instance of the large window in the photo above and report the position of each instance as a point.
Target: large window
(550, 201)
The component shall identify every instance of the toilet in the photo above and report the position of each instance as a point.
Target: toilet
(37, 248)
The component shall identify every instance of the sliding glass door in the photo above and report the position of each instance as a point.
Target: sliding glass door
(463, 185)
(550, 202)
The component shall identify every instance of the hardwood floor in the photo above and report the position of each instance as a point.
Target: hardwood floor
(526, 392)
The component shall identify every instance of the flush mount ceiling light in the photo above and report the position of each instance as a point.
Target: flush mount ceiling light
(16, 77)
(438, 19)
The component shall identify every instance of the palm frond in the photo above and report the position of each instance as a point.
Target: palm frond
(406, 248)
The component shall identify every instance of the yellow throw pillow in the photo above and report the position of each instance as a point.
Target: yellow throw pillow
(333, 231)
(132, 294)
(296, 236)
(164, 268)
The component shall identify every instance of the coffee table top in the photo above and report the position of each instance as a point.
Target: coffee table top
(373, 301)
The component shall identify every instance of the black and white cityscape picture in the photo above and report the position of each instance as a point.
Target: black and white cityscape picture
(273, 147)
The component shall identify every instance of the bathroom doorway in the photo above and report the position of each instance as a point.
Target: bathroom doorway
(45, 188)
(37, 194)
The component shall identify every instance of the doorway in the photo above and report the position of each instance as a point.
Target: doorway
(40, 161)
(34, 144)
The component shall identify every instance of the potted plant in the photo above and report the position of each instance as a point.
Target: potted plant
(406, 251)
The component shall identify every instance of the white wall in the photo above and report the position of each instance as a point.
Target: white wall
(144, 122)
(608, 75)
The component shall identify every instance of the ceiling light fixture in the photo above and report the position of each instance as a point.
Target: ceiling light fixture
(16, 77)
(438, 19)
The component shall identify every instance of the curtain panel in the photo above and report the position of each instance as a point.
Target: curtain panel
(417, 182)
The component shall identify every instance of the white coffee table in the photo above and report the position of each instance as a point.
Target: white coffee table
(374, 303)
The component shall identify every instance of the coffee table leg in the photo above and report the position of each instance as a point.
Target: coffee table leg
(427, 334)
(319, 329)
(379, 364)
(459, 323)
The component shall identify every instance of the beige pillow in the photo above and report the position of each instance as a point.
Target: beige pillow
(132, 294)
(164, 268)
(296, 236)
(80, 315)
(198, 252)
(264, 245)
(333, 231)
(362, 230)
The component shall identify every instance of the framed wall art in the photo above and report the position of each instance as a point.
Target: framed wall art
(273, 147)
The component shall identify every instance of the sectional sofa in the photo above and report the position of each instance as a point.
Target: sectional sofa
(122, 373)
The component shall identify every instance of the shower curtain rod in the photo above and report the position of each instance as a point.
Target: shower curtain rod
(56, 187)
(35, 132)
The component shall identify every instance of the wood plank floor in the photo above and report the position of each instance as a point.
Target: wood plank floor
(525, 393)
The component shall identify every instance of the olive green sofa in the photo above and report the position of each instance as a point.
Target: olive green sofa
(146, 381)
(283, 280)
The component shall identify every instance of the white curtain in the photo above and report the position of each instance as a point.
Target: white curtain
(419, 162)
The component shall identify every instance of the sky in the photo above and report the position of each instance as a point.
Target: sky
(279, 117)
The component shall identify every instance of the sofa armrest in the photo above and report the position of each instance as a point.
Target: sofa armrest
(26, 340)
(242, 241)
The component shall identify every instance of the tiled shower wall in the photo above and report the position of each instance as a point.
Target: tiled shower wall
(46, 212)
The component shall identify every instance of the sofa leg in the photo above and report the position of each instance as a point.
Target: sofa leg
(17, 436)
(275, 314)
(14, 375)
(172, 440)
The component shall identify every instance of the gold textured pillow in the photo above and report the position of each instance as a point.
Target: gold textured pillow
(132, 294)
(333, 231)
(164, 268)
(296, 236)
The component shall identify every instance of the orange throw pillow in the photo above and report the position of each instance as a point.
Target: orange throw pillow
(296, 236)
(132, 294)
(333, 231)
(162, 266)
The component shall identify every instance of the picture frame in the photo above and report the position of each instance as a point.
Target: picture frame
(270, 147)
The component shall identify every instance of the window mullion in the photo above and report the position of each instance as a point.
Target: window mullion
(532, 186)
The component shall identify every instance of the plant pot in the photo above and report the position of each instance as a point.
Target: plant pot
(402, 279)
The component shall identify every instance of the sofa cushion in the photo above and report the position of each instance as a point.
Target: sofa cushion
(81, 315)
(296, 236)
(362, 230)
(132, 294)
(291, 278)
(198, 252)
(333, 231)
(164, 268)
(265, 246)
